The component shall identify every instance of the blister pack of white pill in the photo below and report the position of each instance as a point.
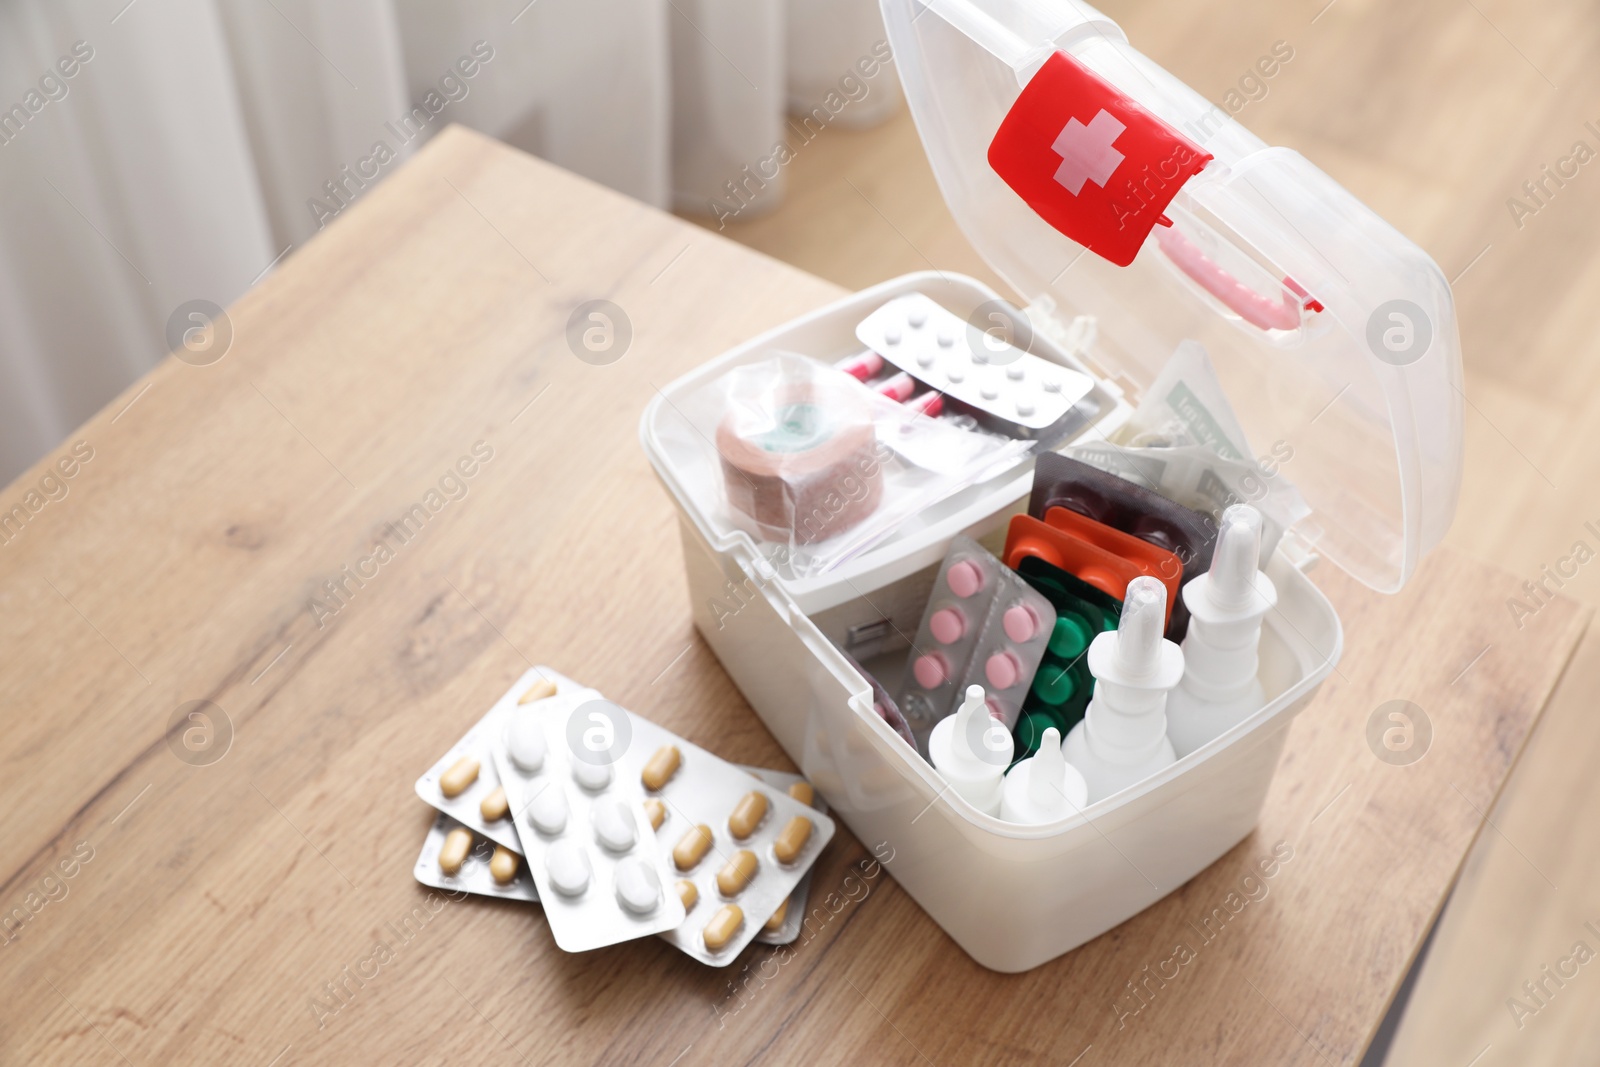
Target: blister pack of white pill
(453, 857)
(577, 806)
(783, 927)
(738, 846)
(464, 784)
(973, 362)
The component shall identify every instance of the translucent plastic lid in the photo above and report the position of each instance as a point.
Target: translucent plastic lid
(1334, 336)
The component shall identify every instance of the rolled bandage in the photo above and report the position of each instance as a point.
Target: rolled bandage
(800, 458)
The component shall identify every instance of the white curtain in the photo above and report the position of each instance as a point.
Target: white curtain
(196, 142)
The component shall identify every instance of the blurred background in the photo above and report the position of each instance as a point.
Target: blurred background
(196, 143)
(154, 152)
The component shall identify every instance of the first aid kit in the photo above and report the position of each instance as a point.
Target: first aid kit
(1139, 225)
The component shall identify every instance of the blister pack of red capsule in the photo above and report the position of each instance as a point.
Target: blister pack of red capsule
(983, 626)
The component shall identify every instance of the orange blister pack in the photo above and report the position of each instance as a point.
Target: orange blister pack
(1101, 555)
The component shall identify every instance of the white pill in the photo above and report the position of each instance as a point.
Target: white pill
(1015, 372)
(525, 743)
(613, 825)
(917, 317)
(592, 776)
(638, 886)
(568, 866)
(924, 359)
(1024, 407)
(891, 336)
(990, 391)
(548, 810)
(1051, 385)
(956, 374)
(946, 338)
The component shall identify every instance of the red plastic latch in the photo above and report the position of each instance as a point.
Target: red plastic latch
(1090, 160)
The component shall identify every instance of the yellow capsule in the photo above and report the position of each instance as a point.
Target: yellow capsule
(776, 921)
(462, 773)
(453, 853)
(692, 847)
(660, 767)
(656, 811)
(688, 894)
(540, 689)
(747, 814)
(791, 840)
(494, 805)
(503, 865)
(723, 925)
(803, 792)
(737, 872)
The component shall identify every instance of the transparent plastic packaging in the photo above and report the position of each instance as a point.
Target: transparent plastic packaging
(1184, 442)
(813, 460)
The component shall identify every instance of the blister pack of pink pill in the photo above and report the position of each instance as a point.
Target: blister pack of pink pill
(983, 626)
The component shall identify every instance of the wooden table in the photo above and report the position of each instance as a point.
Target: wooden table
(171, 904)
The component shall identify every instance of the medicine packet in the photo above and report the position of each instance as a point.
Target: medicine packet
(737, 846)
(576, 803)
(1184, 442)
(983, 626)
(478, 868)
(799, 454)
(787, 927)
(466, 805)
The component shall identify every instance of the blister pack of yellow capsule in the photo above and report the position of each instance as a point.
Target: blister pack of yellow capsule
(783, 926)
(453, 857)
(737, 846)
(464, 783)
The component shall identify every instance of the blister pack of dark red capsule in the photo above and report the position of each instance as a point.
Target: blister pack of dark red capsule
(1060, 481)
(983, 626)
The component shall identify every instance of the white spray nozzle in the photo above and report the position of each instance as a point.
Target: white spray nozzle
(1049, 770)
(976, 731)
(972, 750)
(1044, 787)
(1144, 618)
(1236, 558)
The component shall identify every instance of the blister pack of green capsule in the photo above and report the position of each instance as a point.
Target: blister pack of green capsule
(1062, 685)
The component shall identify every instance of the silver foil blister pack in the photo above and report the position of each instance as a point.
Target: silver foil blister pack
(466, 806)
(577, 805)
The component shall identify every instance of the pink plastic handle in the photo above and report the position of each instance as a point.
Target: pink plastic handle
(1250, 305)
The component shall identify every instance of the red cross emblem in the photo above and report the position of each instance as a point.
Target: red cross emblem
(1091, 161)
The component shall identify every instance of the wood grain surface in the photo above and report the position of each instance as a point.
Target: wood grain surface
(221, 886)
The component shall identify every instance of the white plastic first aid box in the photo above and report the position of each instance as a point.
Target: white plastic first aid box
(1295, 289)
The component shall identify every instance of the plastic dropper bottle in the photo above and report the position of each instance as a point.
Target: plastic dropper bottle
(1044, 787)
(1221, 686)
(972, 750)
(1123, 736)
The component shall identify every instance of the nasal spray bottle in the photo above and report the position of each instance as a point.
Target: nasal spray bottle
(1221, 686)
(1123, 736)
(972, 750)
(1044, 787)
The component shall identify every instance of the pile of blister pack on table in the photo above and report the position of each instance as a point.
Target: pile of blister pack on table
(619, 828)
